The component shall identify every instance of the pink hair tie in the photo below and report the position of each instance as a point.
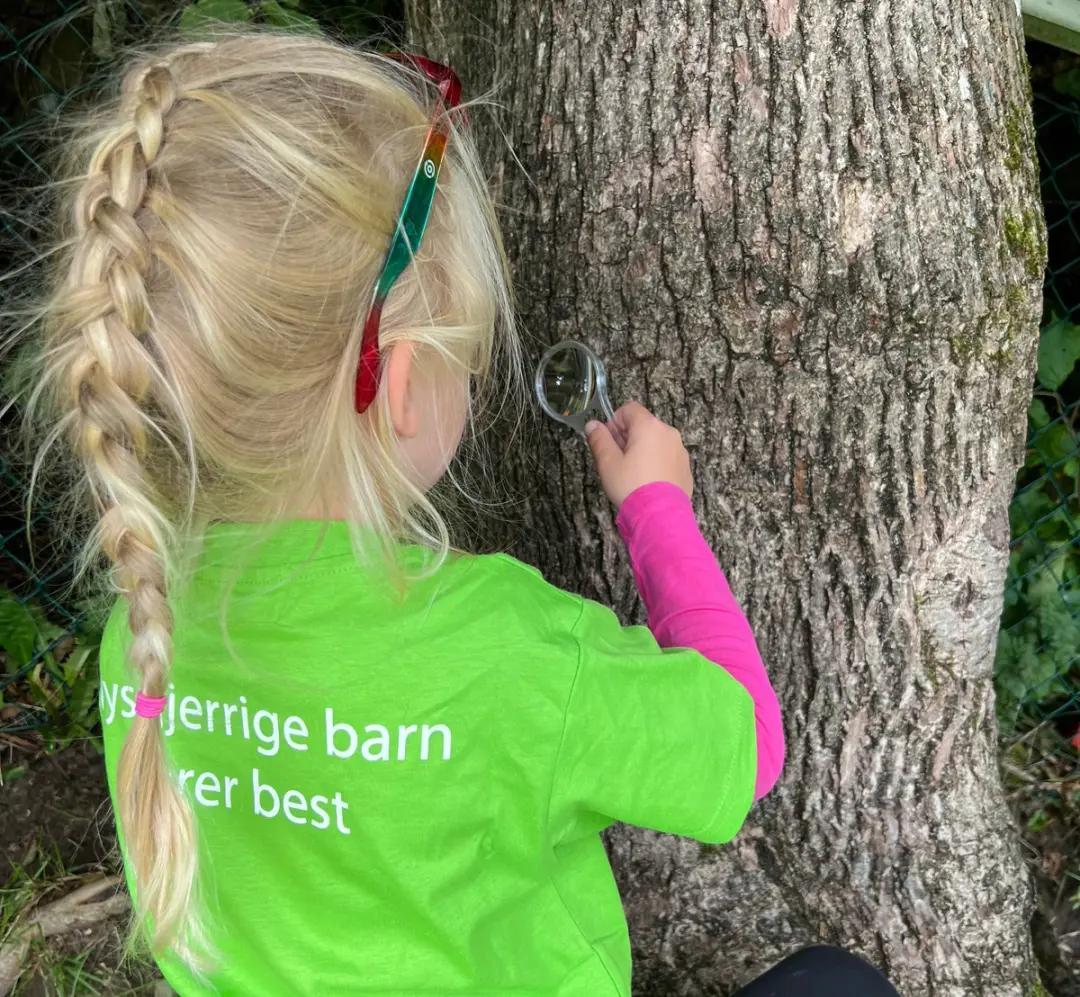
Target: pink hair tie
(149, 706)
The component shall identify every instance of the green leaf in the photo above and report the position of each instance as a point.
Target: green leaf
(1055, 528)
(110, 20)
(82, 699)
(43, 693)
(1027, 507)
(18, 631)
(47, 630)
(102, 37)
(75, 664)
(1037, 413)
(1070, 570)
(1038, 820)
(277, 14)
(16, 772)
(1059, 349)
(204, 13)
(1057, 442)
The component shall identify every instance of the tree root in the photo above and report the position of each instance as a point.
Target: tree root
(66, 914)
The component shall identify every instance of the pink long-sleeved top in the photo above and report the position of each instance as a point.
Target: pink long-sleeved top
(690, 604)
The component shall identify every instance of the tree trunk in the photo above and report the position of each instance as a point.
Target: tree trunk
(810, 236)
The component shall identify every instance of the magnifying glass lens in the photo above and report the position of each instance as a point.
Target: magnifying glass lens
(567, 380)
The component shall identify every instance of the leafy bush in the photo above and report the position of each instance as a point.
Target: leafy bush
(47, 671)
(1040, 634)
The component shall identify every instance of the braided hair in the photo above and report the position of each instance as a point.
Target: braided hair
(227, 214)
(108, 371)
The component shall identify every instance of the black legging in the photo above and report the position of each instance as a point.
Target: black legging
(821, 971)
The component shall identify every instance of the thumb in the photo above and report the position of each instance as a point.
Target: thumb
(601, 443)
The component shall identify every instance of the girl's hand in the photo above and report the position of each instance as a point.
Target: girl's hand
(653, 451)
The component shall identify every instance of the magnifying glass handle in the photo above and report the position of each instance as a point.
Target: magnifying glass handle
(605, 403)
(617, 436)
(609, 421)
(578, 425)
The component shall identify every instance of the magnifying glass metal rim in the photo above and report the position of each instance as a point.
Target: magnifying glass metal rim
(598, 394)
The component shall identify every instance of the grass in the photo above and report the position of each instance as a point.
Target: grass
(69, 975)
(1042, 781)
(83, 961)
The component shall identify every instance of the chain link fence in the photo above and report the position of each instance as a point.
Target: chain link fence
(1037, 669)
(1039, 646)
(51, 53)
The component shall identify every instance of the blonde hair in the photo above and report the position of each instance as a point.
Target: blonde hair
(224, 217)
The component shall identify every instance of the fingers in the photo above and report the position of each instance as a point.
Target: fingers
(631, 414)
(630, 419)
(617, 432)
(635, 448)
(601, 443)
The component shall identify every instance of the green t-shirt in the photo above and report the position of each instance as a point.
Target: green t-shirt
(399, 791)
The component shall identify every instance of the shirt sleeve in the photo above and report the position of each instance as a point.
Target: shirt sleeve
(690, 604)
(658, 738)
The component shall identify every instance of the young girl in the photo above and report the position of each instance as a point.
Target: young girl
(343, 758)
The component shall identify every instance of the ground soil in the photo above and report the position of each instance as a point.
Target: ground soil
(56, 815)
(61, 796)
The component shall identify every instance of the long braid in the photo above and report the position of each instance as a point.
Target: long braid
(196, 339)
(110, 375)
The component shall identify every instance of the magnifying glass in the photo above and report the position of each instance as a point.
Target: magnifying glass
(571, 386)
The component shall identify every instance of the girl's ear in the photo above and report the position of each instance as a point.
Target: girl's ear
(398, 372)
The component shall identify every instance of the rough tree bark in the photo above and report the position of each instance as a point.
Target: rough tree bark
(810, 235)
